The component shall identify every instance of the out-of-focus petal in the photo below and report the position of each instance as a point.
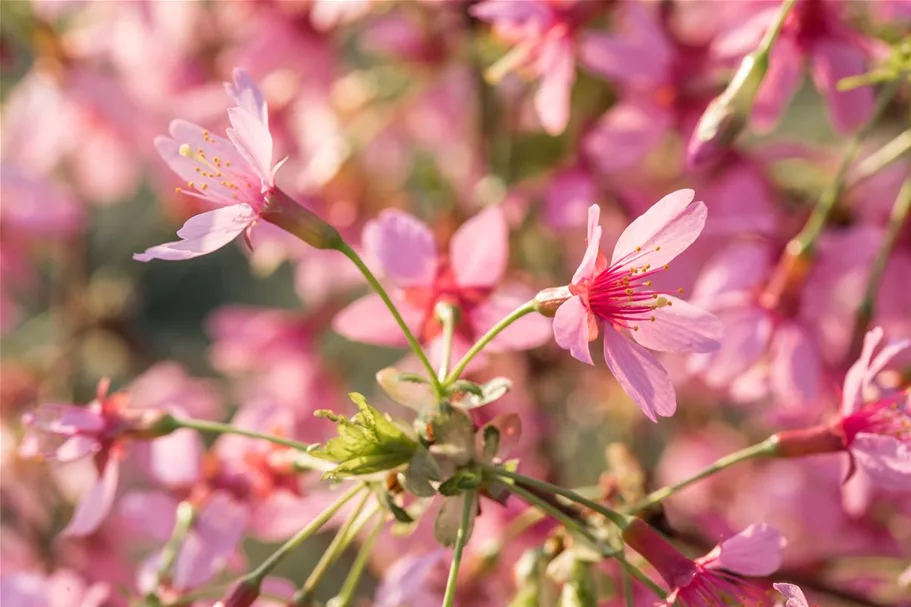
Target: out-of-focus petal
(794, 595)
(886, 459)
(174, 459)
(779, 85)
(639, 56)
(755, 551)
(211, 542)
(94, 505)
(557, 67)
(661, 233)
(680, 327)
(368, 320)
(528, 332)
(640, 375)
(745, 336)
(404, 247)
(796, 370)
(479, 249)
(203, 233)
(831, 60)
(732, 274)
(625, 134)
(571, 329)
(148, 514)
(567, 198)
(852, 391)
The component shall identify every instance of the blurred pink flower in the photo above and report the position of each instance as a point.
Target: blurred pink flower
(715, 578)
(817, 33)
(36, 207)
(467, 277)
(63, 588)
(544, 36)
(618, 297)
(414, 580)
(235, 173)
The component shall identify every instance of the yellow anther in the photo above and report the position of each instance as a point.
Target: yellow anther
(648, 283)
(204, 186)
(635, 327)
(638, 249)
(657, 248)
(665, 267)
(629, 291)
(652, 318)
(680, 290)
(190, 183)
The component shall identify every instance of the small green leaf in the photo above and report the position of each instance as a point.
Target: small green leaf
(489, 392)
(580, 589)
(463, 385)
(400, 514)
(414, 378)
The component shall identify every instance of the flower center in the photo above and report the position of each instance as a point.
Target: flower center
(445, 289)
(218, 176)
(623, 295)
(886, 417)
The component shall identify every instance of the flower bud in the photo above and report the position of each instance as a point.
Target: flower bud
(288, 214)
(547, 301)
(809, 441)
(243, 594)
(727, 114)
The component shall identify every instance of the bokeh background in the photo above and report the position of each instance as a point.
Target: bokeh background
(379, 105)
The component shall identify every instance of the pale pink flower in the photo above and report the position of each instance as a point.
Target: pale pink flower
(817, 33)
(877, 432)
(794, 595)
(468, 277)
(544, 36)
(36, 207)
(716, 578)
(237, 173)
(618, 297)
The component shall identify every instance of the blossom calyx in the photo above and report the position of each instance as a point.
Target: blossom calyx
(548, 300)
(288, 214)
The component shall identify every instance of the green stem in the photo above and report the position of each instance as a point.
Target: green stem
(897, 219)
(351, 254)
(881, 158)
(341, 540)
(641, 576)
(447, 315)
(627, 587)
(346, 594)
(806, 239)
(218, 428)
(461, 540)
(257, 575)
(771, 34)
(184, 520)
(621, 520)
(764, 449)
(526, 308)
(562, 517)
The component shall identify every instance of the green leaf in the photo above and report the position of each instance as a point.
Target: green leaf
(369, 442)
(580, 589)
(463, 385)
(414, 378)
(400, 514)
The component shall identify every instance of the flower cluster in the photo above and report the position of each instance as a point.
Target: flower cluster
(442, 205)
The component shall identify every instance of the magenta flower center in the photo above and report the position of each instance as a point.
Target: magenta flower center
(713, 588)
(445, 289)
(623, 295)
(887, 417)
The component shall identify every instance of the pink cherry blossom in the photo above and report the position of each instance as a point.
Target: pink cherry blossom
(236, 173)
(63, 588)
(468, 277)
(618, 297)
(716, 577)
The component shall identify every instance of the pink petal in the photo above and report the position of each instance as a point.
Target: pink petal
(586, 267)
(885, 459)
(557, 67)
(511, 13)
(794, 595)
(661, 233)
(755, 551)
(855, 378)
(211, 542)
(368, 320)
(282, 514)
(404, 247)
(640, 375)
(779, 85)
(254, 142)
(77, 447)
(832, 60)
(796, 370)
(203, 233)
(625, 134)
(568, 196)
(528, 332)
(733, 274)
(745, 336)
(175, 459)
(479, 249)
(639, 56)
(95, 504)
(885, 356)
(680, 327)
(247, 95)
(571, 329)
(148, 514)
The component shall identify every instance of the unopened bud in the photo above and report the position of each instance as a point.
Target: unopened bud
(727, 114)
(243, 594)
(548, 300)
(809, 441)
(288, 214)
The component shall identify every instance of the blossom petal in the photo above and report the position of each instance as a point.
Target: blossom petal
(571, 329)
(852, 390)
(796, 371)
(174, 459)
(755, 551)
(528, 332)
(635, 127)
(640, 374)
(885, 459)
(586, 267)
(247, 95)
(639, 56)
(203, 233)
(95, 504)
(831, 61)
(557, 67)
(745, 335)
(480, 249)
(779, 85)
(368, 320)
(879, 362)
(680, 327)
(254, 142)
(664, 231)
(732, 274)
(148, 514)
(404, 247)
(794, 595)
(212, 541)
